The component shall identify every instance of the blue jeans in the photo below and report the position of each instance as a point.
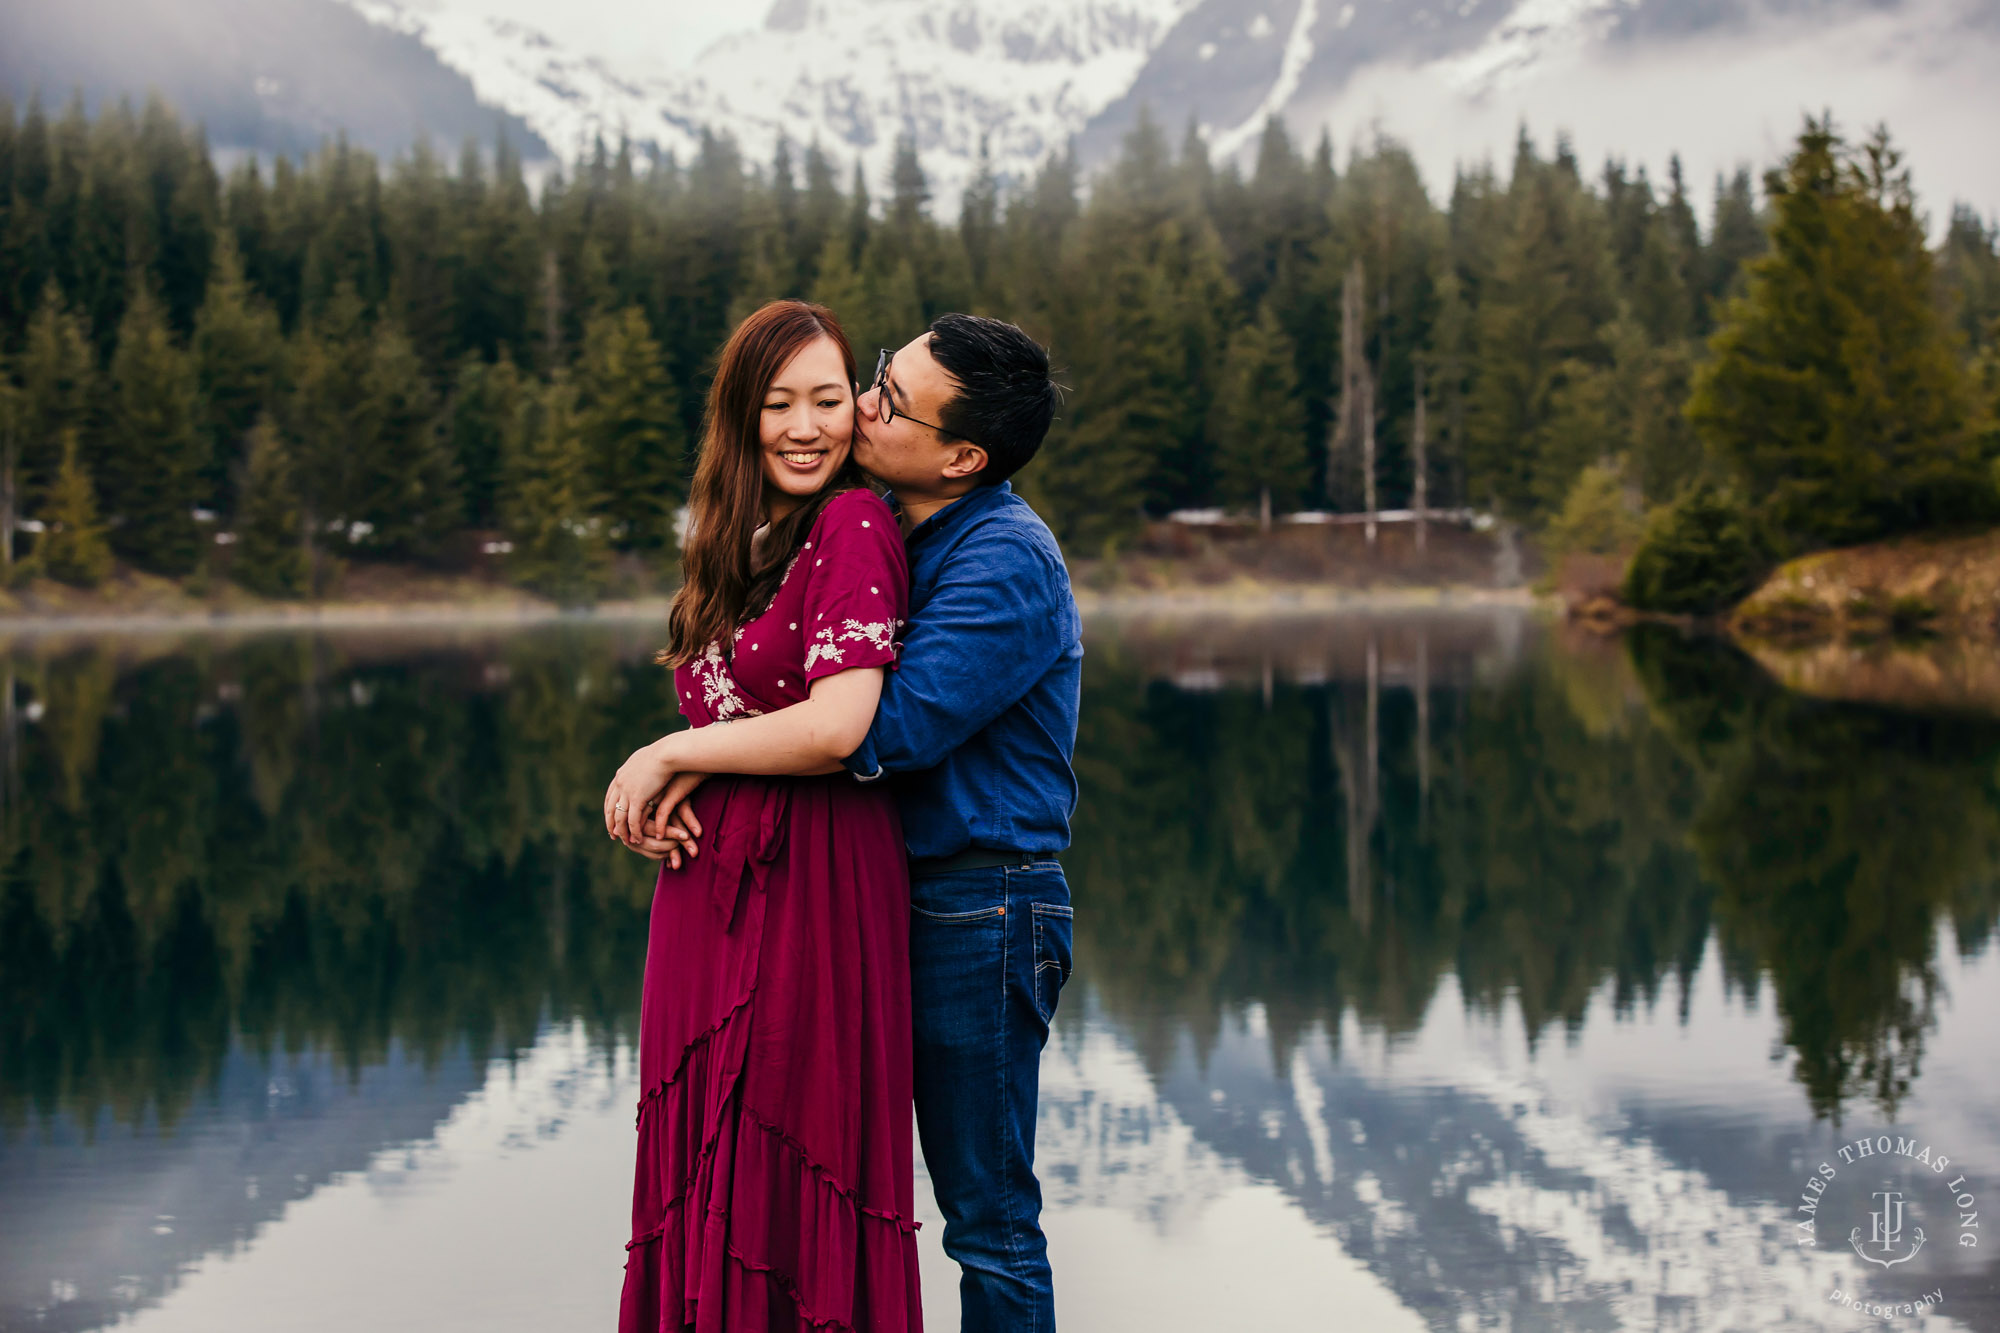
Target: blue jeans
(989, 953)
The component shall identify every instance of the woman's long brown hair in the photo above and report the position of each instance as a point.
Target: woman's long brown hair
(722, 581)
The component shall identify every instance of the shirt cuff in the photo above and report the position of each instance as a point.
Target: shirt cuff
(862, 763)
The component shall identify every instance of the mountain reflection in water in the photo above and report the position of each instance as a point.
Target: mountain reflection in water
(1432, 971)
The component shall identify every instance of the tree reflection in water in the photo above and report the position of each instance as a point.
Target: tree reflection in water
(299, 843)
(295, 842)
(1839, 837)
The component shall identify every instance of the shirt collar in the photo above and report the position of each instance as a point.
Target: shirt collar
(976, 500)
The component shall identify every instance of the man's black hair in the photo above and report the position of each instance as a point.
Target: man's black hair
(1005, 398)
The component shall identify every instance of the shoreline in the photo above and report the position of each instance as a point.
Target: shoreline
(1239, 601)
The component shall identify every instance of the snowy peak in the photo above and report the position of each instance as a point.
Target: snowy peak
(853, 75)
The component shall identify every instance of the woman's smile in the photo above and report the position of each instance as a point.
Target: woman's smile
(805, 460)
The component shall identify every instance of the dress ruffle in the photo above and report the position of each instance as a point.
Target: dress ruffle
(768, 1237)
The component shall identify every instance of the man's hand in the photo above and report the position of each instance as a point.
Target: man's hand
(658, 849)
(673, 820)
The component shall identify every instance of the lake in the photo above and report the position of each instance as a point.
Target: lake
(1433, 971)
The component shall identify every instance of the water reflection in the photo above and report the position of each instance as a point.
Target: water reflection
(1377, 919)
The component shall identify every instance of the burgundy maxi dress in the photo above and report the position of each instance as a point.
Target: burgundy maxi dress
(774, 1186)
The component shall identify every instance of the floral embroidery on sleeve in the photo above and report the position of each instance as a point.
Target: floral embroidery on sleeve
(880, 634)
(856, 588)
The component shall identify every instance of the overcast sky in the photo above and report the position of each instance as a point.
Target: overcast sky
(1927, 69)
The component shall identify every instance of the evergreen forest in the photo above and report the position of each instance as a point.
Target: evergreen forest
(295, 364)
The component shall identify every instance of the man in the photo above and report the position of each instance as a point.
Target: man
(976, 729)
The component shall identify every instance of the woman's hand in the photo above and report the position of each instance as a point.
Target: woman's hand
(634, 790)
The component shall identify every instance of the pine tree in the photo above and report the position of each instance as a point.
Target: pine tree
(839, 288)
(1735, 237)
(151, 458)
(497, 267)
(1699, 555)
(418, 215)
(1259, 421)
(979, 217)
(10, 447)
(1834, 390)
(322, 421)
(59, 378)
(344, 248)
(630, 418)
(1597, 517)
(552, 508)
(909, 191)
(485, 401)
(236, 352)
(819, 216)
(1969, 270)
(1130, 394)
(270, 549)
(1540, 311)
(72, 546)
(1383, 218)
(767, 267)
(405, 478)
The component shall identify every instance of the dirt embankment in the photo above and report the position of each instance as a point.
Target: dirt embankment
(1910, 587)
(1910, 623)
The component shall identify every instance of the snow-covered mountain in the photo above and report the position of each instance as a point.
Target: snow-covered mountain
(1722, 81)
(1022, 76)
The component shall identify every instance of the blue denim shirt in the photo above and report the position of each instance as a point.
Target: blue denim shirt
(978, 720)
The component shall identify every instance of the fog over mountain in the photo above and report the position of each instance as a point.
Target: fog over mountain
(1722, 82)
(266, 75)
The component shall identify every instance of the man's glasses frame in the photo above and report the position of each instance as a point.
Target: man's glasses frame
(886, 403)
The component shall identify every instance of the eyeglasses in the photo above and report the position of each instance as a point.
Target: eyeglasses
(886, 403)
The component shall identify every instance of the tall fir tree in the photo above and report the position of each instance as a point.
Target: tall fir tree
(59, 392)
(1834, 389)
(1969, 270)
(1735, 237)
(322, 420)
(237, 349)
(404, 476)
(1541, 308)
(1130, 393)
(270, 553)
(1382, 216)
(552, 508)
(819, 216)
(149, 462)
(485, 401)
(1259, 422)
(10, 460)
(979, 219)
(631, 422)
(72, 546)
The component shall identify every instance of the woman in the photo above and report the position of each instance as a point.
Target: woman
(774, 1185)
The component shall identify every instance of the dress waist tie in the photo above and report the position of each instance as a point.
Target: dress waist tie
(748, 841)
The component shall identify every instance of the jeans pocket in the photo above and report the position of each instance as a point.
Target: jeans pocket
(961, 918)
(1053, 927)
